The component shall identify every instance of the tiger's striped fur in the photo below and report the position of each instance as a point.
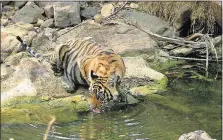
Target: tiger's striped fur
(86, 62)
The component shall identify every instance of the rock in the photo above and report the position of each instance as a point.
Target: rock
(148, 22)
(133, 5)
(89, 12)
(48, 23)
(25, 26)
(13, 60)
(7, 8)
(42, 4)
(8, 11)
(49, 11)
(5, 2)
(107, 10)
(196, 135)
(39, 22)
(162, 56)
(83, 4)
(19, 4)
(137, 67)
(10, 44)
(6, 72)
(98, 18)
(31, 77)
(181, 51)
(66, 14)
(119, 37)
(39, 41)
(23, 88)
(29, 38)
(4, 22)
(30, 13)
(131, 100)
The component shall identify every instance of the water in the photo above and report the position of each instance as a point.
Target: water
(146, 121)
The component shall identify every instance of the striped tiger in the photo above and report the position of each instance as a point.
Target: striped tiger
(86, 62)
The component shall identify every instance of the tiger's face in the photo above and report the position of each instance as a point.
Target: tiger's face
(102, 73)
(100, 92)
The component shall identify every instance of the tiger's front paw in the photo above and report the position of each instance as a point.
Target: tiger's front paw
(70, 88)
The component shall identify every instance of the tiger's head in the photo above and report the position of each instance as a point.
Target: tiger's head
(103, 72)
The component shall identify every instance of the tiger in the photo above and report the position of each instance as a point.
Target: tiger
(83, 61)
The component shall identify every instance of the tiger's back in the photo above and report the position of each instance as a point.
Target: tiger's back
(76, 53)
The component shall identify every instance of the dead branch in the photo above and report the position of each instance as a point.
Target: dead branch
(191, 59)
(49, 127)
(183, 42)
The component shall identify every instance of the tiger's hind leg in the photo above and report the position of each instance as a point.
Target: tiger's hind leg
(70, 87)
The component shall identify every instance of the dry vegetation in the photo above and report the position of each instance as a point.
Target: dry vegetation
(205, 16)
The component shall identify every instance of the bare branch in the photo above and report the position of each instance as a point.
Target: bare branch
(192, 59)
(49, 127)
(191, 44)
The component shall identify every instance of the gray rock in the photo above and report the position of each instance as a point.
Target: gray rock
(39, 41)
(148, 22)
(31, 78)
(49, 11)
(19, 4)
(39, 22)
(6, 71)
(30, 13)
(48, 23)
(107, 10)
(123, 39)
(66, 14)
(137, 67)
(4, 22)
(7, 8)
(13, 60)
(42, 4)
(10, 44)
(89, 12)
(8, 11)
(5, 2)
(196, 135)
(181, 51)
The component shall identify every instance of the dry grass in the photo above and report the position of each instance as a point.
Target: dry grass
(204, 15)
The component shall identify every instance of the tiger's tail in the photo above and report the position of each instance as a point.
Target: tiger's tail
(52, 61)
(27, 48)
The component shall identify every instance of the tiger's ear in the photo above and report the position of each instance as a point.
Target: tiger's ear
(93, 76)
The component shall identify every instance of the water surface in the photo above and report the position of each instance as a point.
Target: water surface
(148, 120)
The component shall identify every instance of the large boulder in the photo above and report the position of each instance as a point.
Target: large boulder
(138, 67)
(141, 79)
(89, 12)
(148, 22)
(123, 39)
(31, 78)
(30, 13)
(66, 14)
